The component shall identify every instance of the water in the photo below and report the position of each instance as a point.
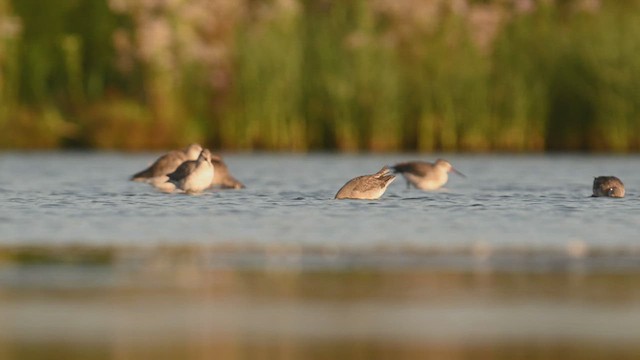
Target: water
(515, 259)
(524, 202)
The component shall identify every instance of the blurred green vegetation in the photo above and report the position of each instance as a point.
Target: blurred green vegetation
(321, 74)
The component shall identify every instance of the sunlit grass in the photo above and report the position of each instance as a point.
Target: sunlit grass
(305, 75)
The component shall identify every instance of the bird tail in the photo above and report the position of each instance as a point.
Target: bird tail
(232, 183)
(142, 175)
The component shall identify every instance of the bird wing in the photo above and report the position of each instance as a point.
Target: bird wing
(418, 168)
(169, 161)
(162, 166)
(183, 170)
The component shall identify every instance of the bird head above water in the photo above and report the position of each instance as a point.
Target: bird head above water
(193, 151)
(447, 167)
(609, 186)
(205, 155)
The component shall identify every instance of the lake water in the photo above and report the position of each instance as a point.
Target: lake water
(514, 202)
(516, 258)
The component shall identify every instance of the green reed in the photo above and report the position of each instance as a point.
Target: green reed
(532, 90)
(341, 75)
(264, 109)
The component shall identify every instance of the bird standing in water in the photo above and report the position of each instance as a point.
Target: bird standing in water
(193, 176)
(168, 163)
(424, 175)
(368, 187)
(609, 186)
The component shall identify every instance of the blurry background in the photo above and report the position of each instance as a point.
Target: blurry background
(516, 261)
(378, 75)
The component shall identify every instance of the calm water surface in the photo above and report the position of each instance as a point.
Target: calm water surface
(515, 260)
(524, 202)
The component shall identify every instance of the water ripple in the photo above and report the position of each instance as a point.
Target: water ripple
(292, 202)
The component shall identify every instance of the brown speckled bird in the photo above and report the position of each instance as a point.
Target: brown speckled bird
(369, 187)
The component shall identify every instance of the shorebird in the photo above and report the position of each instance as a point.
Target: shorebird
(222, 177)
(193, 176)
(608, 186)
(369, 187)
(424, 175)
(168, 163)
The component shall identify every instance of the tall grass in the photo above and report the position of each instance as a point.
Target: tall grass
(304, 74)
(265, 108)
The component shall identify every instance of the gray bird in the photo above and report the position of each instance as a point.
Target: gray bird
(609, 186)
(193, 176)
(168, 163)
(369, 187)
(424, 175)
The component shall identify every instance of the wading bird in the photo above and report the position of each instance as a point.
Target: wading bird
(168, 163)
(368, 187)
(424, 175)
(193, 176)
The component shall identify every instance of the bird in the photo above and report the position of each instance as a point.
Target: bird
(167, 163)
(193, 176)
(424, 175)
(609, 186)
(222, 177)
(368, 187)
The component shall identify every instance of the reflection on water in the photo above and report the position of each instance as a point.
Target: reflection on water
(195, 303)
